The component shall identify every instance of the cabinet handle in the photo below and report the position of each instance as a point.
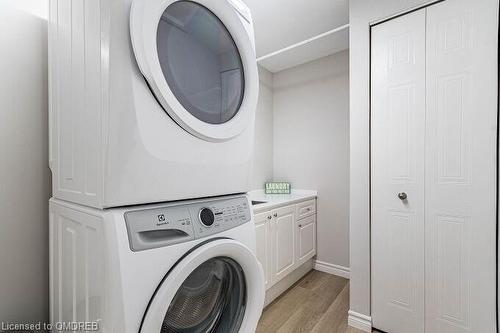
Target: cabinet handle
(275, 214)
(269, 217)
(300, 225)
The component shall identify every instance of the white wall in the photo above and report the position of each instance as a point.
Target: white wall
(361, 14)
(24, 173)
(302, 136)
(311, 144)
(263, 149)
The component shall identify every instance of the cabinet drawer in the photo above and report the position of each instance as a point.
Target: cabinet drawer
(262, 217)
(306, 208)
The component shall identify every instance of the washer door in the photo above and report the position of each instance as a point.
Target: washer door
(218, 287)
(199, 62)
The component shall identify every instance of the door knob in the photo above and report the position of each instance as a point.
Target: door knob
(402, 196)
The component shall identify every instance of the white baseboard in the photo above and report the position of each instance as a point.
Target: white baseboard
(332, 269)
(360, 321)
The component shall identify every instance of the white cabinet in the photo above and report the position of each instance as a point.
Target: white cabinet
(284, 241)
(306, 236)
(262, 233)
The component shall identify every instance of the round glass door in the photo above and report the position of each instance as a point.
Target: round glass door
(198, 59)
(211, 299)
(200, 62)
(217, 287)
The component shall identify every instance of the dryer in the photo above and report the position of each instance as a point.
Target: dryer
(188, 266)
(150, 100)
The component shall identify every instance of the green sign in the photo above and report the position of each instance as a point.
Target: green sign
(278, 188)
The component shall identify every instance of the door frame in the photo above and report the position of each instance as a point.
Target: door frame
(497, 249)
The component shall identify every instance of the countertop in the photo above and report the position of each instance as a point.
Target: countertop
(277, 200)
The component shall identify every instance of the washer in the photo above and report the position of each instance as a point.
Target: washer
(187, 266)
(150, 100)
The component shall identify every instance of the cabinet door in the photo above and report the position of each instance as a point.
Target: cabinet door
(283, 243)
(262, 228)
(306, 239)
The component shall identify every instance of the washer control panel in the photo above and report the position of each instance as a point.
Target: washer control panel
(163, 225)
(219, 215)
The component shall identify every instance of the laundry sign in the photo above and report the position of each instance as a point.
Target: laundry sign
(278, 188)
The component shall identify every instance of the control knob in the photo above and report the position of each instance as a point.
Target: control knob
(207, 217)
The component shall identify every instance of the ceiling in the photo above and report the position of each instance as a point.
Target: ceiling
(322, 46)
(281, 23)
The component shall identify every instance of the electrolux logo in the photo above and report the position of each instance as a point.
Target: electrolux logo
(161, 220)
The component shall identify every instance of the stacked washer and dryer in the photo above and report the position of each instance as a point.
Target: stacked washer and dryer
(152, 107)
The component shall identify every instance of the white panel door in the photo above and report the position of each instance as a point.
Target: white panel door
(397, 148)
(262, 234)
(284, 229)
(460, 164)
(434, 132)
(306, 238)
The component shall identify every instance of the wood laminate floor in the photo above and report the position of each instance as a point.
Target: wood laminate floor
(317, 303)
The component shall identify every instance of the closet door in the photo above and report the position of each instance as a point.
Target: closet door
(397, 154)
(460, 159)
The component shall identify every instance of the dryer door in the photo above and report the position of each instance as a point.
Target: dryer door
(199, 61)
(218, 287)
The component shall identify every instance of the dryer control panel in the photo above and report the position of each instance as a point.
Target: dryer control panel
(178, 222)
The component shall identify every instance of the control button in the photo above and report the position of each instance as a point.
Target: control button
(207, 216)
